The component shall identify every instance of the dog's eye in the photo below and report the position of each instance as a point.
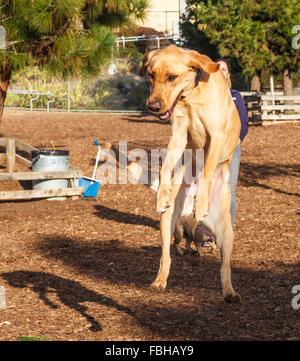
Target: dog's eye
(172, 77)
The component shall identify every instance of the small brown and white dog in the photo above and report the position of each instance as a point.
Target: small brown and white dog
(203, 116)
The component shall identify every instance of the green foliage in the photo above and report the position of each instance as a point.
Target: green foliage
(84, 93)
(68, 37)
(73, 54)
(253, 34)
(130, 51)
(128, 92)
(279, 17)
(125, 90)
(195, 38)
(13, 61)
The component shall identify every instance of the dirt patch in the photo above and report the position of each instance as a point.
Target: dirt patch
(81, 270)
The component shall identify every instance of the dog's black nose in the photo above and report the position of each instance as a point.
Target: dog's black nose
(154, 106)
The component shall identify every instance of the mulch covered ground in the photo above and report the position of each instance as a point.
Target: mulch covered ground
(81, 270)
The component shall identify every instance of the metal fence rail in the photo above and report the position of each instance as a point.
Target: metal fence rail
(37, 95)
(158, 38)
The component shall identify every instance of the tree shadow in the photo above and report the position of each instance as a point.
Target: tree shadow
(71, 293)
(150, 119)
(251, 174)
(113, 261)
(124, 217)
(265, 291)
(157, 318)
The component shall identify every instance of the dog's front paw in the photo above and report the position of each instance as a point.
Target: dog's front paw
(201, 207)
(158, 286)
(233, 298)
(163, 199)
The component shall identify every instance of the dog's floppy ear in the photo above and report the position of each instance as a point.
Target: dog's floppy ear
(203, 62)
(146, 61)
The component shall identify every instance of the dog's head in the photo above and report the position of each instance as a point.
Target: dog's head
(171, 72)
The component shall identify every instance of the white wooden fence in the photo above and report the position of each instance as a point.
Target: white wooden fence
(269, 109)
(279, 108)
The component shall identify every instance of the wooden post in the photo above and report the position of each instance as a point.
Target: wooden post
(10, 154)
(272, 91)
(264, 112)
(74, 183)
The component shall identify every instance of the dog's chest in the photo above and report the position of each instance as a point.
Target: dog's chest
(198, 134)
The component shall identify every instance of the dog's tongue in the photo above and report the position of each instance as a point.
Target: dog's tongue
(165, 115)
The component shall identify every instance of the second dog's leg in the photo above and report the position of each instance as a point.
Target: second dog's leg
(179, 237)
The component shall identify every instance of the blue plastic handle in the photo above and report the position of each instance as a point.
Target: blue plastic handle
(95, 141)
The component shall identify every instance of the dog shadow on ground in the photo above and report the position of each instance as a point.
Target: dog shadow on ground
(71, 293)
(266, 292)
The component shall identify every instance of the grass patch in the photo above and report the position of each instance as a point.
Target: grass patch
(33, 338)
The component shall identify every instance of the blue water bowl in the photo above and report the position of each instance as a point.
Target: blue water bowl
(90, 187)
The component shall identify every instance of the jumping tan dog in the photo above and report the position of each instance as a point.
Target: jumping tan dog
(202, 117)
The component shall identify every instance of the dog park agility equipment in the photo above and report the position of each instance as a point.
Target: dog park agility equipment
(17, 150)
(91, 185)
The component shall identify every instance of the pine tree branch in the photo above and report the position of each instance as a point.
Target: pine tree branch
(59, 32)
(43, 47)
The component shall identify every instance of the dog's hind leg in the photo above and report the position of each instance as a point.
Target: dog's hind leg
(224, 233)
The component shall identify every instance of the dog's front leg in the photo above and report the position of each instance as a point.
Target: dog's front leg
(175, 150)
(165, 260)
(201, 206)
(168, 221)
(166, 198)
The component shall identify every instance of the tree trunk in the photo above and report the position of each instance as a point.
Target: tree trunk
(255, 83)
(4, 82)
(287, 83)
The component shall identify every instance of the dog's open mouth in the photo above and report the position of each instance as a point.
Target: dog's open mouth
(165, 115)
(168, 113)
